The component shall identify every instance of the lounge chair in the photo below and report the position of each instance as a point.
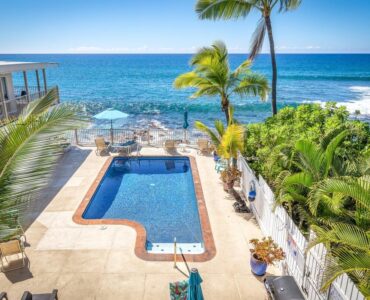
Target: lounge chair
(10, 249)
(29, 296)
(170, 145)
(204, 146)
(101, 146)
(221, 165)
(179, 290)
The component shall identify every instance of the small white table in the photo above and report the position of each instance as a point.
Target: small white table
(183, 146)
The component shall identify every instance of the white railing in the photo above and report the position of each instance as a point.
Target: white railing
(15, 105)
(307, 267)
(147, 136)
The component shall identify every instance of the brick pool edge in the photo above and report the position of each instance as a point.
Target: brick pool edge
(140, 244)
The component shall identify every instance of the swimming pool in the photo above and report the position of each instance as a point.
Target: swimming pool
(158, 193)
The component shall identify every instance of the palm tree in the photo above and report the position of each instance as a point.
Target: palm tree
(332, 196)
(348, 242)
(29, 148)
(212, 76)
(227, 9)
(216, 135)
(229, 140)
(310, 165)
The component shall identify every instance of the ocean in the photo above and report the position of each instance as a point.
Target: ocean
(141, 85)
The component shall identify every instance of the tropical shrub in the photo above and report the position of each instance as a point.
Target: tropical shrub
(268, 145)
(317, 160)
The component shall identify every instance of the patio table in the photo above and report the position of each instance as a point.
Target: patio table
(124, 148)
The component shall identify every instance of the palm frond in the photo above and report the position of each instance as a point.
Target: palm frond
(257, 39)
(29, 151)
(310, 157)
(253, 84)
(286, 5)
(219, 125)
(190, 79)
(40, 105)
(204, 128)
(222, 9)
(332, 147)
(232, 141)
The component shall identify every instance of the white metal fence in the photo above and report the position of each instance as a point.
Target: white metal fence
(306, 266)
(149, 136)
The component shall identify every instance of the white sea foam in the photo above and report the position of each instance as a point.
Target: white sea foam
(361, 102)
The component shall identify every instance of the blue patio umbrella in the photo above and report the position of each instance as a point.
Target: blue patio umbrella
(194, 289)
(111, 114)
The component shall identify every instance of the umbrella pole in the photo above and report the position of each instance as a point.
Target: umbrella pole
(174, 254)
(111, 131)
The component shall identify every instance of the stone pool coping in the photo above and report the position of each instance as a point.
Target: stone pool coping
(140, 244)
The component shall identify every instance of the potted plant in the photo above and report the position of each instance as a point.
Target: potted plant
(229, 176)
(264, 252)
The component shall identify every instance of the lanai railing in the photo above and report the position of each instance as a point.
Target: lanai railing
(145, 136)
(15, 105)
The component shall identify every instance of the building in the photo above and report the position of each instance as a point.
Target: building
(13, 97)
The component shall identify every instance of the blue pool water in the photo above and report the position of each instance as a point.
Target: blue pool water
(157, 192)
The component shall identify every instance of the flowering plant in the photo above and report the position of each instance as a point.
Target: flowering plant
(266, 250)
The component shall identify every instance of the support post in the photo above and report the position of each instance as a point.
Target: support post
(38, 83)
(111, 136)
(76, 137)
(174, 253)
(26, 86)
(2, 98)
(148, 136)
(45, 83)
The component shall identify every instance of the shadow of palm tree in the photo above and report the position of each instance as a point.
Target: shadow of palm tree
(68, 164)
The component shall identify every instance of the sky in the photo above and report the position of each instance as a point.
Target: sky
(172, 26)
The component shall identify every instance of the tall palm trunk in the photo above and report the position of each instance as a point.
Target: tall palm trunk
(273, 63)
(225, 108)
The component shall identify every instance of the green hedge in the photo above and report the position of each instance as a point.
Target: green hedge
(268, 145)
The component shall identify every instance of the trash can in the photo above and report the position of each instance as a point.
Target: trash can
(283, 288)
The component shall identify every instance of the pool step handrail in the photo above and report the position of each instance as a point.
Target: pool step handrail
(183, 258)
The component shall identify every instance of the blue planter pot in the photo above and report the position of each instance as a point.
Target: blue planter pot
(258, 267)
(252, 196)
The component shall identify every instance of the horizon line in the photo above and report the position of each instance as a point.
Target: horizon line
(172, 53)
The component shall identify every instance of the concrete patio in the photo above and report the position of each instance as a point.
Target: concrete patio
(98, 262)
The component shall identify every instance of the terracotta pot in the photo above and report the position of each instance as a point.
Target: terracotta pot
(258, 267)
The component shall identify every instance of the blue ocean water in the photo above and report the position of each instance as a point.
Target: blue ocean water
(156, 192)
(141, 85)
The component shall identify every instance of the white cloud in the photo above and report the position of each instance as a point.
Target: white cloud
(284, 48)
(95, 49)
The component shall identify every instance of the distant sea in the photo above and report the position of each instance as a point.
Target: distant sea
(141, 85)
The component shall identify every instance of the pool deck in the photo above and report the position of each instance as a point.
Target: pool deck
(99, 262)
